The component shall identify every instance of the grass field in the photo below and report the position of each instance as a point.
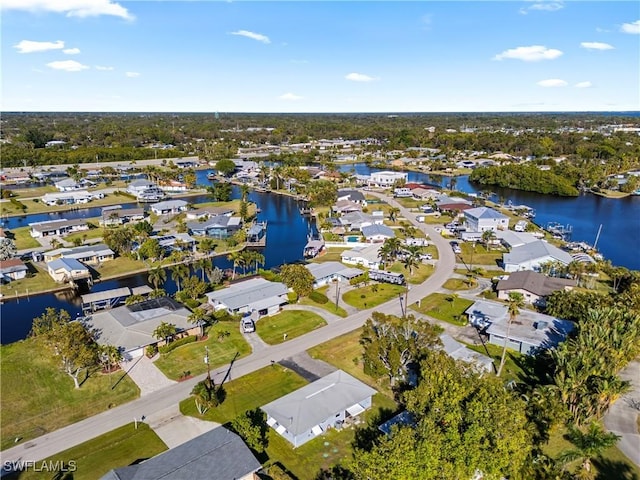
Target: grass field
(372, 295)
(37, 397)
(39, 282)
(481, 272)
(90, 234)
(293, 323)
(118, 448)
(330, 255)
(420, 273)
(329, 306)
(23, 239)
(119, 266)
(39, 207)
(459, 284)
(188, 358)
(479, 255)
(248, 392)
(443, 307)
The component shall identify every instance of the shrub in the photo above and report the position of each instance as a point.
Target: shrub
(178, 343)
(293, 297)
(151, 350)
(318, 297)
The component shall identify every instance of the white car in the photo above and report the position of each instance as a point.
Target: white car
(248, 326)
(426, 256)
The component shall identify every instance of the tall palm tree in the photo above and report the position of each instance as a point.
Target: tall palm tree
(412, 257)
(393, 212)
(179, 272)
(516, 302)
(234, 257)
(157, 277)
(199, 316)
(244, 192)
(204, 265)
(588, 445)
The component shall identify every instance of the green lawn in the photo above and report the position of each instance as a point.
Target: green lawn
(38, 282)
(39, 207)
(37, 397)
(119, 266)
(372, 295)
(331, 448)
(420, 273)
(443, 219)
(481, 272)
(513, 363)
(293, 323)
(437, 306)
(23, 239)
(479, 255)
(248, 392)
(33, 192)
(118, 448)
(90, 234)
(329, 306)
(459, 284)
(188, 358)
(330, 255)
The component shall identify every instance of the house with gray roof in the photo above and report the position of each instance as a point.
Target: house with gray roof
(67, 185)
(308, 412)
(218, 453)
(512, 239)
(219, 227)
(458, 351)
(256, 294)
(326, 272)
(531, 255)
(206, 212)
(368, 257)
(346, 206)
(131, 327)
(533, 286)
(57, 227)
(67, 270)
(357, 220)
(529, 333)
(355, 196)
(12, 269)
(88, 254)
(377, 233)
(169, 207)
(483, 218)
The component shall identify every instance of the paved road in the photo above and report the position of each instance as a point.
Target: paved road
(54, 442)
(621, 418)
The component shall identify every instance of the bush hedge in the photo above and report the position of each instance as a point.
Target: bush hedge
(318, 297)
(178, 343)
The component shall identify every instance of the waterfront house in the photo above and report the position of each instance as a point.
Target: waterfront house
(355, 196)
(57, 227)
(70, 197)
(218, 453)
(530, 333)
(377, 233)
(247, 296)
(88, 254)
(173, 186)
(357, 220)
(12, 269)
(181, 242)
(116, 215)
(421, 193)
(512, 239)
(327, 272)
(327, 403)
(67, 185)
(455, 205)
(169, 207)
(218, 227)
(368, 257)
(387, 179)
(67, 270)
(483, 218)
(458, 351)
(346, 206)
(131, 327)
(140, 185)
(206, 212)
(531, 255)
(533, 286)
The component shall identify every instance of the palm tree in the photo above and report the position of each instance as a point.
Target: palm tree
(393, 212)
(588, 445)
(487, 236)
(389, 250)
(412, 257)
(157, 277)
(234, 257)
(244, 192)
(165, 331)
(179, 272)
(516, 301)
(204, 265)
(110, 356)
(199, 316)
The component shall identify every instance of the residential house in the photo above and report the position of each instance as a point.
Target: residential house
(327, 272)
(181, 242)
(346, 206)
(57, 227)
(357, 220)
(140, 185)
(219, 227)
(12, 269)
(169, 207)
(458, 351)
(174, 186)
(207, 212)
(512, 239)
(356, 196)
(483, 218)
(368, 257)
(67, 185)
(530, 333)
(452, 204)
(533, 286)
(131, 327)
(308, 412)
(421, 193)
(387, 179)
(113, 216)
(247, 296)
(531, 255)
(402, 192)
(70, 197)
(88, 254)
(67, 270)
(377, 233)
(145, 191)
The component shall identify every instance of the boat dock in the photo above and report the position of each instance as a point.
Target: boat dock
(257, 235)
(560, 231)
(92, 302)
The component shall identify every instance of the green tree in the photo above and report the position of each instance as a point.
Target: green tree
(77, 349)
(110, 356)
(205, 395)
(225, 167)
(200, 317)
(298, 278)
(393, 213)
(322, 193)
(252, 427)
(515, 303)
(204, 265)
(588, 445)
(150, 249)
(165, 331)
(391, 344)
(179, 272)
(412, 257)
(157, 276)
(51, 320)
(133, 299)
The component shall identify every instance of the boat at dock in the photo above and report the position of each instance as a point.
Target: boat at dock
(559, 231)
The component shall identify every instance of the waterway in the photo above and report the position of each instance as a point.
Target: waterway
(287, 232)
(620, 218)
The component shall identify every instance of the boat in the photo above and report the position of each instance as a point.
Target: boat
(211, 176)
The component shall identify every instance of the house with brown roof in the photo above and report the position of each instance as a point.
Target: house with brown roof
(12, 269)
(533, 286)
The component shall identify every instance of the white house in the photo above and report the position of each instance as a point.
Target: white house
(377, 233)
(12, 269)
(256, 294)
(169, 207)
(308, 412)
(70, 197)
(368, 257)
(57, 227)
(139, 185)
(386, 179)
(67, 185)
(531, 255)
(91, 254)
(326, 272)
(67, 269)
(482, 219)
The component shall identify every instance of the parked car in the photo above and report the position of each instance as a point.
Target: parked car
(247, 325)
(426, 256)
(455, 247)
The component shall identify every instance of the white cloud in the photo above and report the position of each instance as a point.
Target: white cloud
(252, 35)
(290, 97)
(29, 46)
(542, 6)
(633, 27)
(72, 8)
(552, 82)
(71, 51)
(67, 65)
(584, 85)
(102, 67)
(132, 74)
(596, 46)
(359, 77)
(534, 53)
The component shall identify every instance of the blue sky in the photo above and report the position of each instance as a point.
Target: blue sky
(207, 56)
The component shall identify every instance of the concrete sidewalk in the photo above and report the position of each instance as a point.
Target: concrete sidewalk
(174, 429)
(146, 375)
